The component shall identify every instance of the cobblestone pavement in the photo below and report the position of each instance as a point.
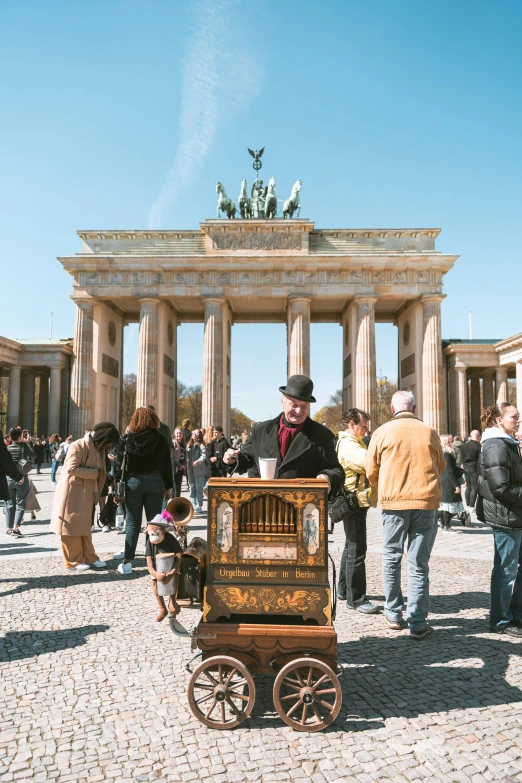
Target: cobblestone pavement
(92, 689)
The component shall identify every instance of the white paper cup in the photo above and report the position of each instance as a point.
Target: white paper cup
(164, 564)
(267, 467)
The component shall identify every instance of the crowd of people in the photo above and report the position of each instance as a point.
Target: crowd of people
(418, 479)
(150, 461)
(421, 481)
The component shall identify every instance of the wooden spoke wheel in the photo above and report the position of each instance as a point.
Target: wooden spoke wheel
(221, 692)
(307, 694)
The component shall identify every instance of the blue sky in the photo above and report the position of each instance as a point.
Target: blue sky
(394, 114)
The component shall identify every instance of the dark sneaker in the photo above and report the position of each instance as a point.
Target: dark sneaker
(17, 534)
(341, 597)
(511, 630)
(366, 607)
(394, 625)
(419, 635)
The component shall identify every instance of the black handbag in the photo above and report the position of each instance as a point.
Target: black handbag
(344, 504)
(107, 517)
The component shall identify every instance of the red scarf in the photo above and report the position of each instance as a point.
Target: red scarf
(287, 434)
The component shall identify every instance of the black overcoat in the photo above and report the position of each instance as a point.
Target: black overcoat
(7, 468)
(311, 452)
(450, 480)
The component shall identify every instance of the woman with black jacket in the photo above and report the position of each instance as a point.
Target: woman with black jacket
(499, 504)
(19, 449)
(144, 459)
(451, 502)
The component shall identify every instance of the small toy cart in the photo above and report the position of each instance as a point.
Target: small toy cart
(267, 605)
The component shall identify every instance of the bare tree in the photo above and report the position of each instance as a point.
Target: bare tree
(331, 413)
(128, 403)
(385, 391)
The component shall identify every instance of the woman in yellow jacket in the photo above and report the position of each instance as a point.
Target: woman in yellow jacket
(351, 451)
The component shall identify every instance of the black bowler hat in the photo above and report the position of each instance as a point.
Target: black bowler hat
(300, 387)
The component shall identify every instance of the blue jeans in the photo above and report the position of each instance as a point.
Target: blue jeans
(506, 578)
(419, 526)
(54, 468)
(197, 482)
(143, 491)
(15, 506)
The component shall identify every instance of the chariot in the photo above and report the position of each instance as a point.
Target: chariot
(267, 605)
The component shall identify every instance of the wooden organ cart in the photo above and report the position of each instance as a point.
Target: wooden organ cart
(267, 604)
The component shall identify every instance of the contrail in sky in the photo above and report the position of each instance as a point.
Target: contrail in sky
(219, 79)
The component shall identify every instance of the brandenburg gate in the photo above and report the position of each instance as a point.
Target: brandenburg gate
(253, 270)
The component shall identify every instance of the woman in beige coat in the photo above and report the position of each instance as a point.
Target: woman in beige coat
(79, 488)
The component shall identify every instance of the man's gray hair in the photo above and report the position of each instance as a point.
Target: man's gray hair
(403, 401)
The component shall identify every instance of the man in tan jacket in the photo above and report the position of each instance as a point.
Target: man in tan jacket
(405, 463)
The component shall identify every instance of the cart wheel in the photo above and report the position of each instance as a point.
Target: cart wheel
(221, 692)
(307, 694)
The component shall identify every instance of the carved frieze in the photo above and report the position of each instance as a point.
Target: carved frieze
(110, 366)
(280, 240)
(168, 366)
(408, 366)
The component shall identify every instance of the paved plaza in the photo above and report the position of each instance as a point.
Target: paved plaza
(93, 689)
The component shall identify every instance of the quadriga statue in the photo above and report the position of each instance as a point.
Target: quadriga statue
(225, 204)
(245, 203)
(293, 204)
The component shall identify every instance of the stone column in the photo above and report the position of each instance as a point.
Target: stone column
(213, 365)
(147, 377)
(13, 397)
(29, 401)
(518, 370)
(298, 328)
(433, 409)
(501, 374)
(55, 402)
(462, 401)
(475, 402)
(365, 362)
(488, 395)
(81, 376)
(43, 406)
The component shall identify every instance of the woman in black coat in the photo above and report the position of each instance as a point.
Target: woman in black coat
(143, 463)
(499, 504)
(451, 502)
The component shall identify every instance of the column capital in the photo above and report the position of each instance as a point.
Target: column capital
(214, 298)
(460, 368)
(299, 298)
(365, 299)
(151, 299)
(84, 302)
(432, 297)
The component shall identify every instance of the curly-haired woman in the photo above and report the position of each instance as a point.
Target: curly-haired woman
(144, 458)
(499, 504)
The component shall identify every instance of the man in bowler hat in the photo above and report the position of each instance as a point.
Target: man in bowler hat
(302, 447)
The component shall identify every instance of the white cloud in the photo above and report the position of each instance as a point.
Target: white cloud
(220, 78)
